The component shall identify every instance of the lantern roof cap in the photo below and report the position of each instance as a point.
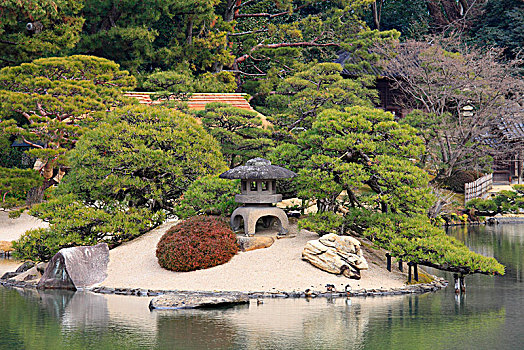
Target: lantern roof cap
(258, 169)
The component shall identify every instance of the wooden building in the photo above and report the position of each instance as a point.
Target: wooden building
(389, 96)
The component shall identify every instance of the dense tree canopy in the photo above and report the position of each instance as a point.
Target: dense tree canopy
(346, 150)
(126, 176)
(33, 29)
(132, 166)
(241, 133)
(47, 103)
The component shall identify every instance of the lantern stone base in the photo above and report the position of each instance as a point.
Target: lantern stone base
(250, 215)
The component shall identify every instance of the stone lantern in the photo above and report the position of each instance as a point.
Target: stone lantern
(258, 194)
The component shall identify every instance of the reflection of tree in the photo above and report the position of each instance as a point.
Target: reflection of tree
(504, 242)
(432, 322)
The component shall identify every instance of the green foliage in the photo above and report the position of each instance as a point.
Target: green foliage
(503, 203)
(14, 185)
(50, 100)
(141, 35)
(197, 243)
(180, 83)
(410, 17)
(126, 176)
(13, 157)
(240, 133)
(299, 99)
(37, 244)
(416, 240)
(75, 222)
(208, 195)
(143, 157)
(344, 151)
(456, 181)
(502, 25)
(55, 29)
(482, 205)
(323, 223)
(519, 188)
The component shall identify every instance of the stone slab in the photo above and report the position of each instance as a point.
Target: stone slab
(197, 301)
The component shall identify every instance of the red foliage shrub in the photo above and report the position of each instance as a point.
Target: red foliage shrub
(197, 243)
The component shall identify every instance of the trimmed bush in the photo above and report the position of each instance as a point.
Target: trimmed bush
(198, 243)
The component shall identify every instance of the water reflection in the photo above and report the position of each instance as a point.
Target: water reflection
(487, 317)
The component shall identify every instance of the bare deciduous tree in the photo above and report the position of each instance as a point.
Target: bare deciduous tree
(462, 94)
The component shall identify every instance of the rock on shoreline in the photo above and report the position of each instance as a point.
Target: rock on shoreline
(197, 300)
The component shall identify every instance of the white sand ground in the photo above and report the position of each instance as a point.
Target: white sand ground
(12, 229)
(279, 267)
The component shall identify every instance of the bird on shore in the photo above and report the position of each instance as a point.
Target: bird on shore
(347, 289)
(260, 302)
(330, 287)
(309, 293)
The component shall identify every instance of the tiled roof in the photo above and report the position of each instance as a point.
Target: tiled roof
(198, 101)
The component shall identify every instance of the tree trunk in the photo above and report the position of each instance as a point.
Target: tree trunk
(376, 15)
(189, 31)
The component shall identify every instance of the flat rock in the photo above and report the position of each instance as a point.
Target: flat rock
(251, 243)
(197, 301)
(76, 268)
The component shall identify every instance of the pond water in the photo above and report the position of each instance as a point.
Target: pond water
(489, 316)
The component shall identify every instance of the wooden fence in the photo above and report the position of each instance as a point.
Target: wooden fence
(478, 188)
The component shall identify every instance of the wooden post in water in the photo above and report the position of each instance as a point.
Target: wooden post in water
(388, 257)
(409, 272)
(415, 271)
(462, 283)
(400, 266)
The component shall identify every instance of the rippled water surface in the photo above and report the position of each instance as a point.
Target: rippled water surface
(488, 317)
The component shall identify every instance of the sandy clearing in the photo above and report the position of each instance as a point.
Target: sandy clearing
(280, 267)
(12, 229)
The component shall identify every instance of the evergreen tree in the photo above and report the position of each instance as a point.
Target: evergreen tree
(49, 103)
(126, 176)
(34, 29)
(240, 133)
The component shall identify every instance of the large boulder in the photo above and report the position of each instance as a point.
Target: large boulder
(336, 254)
(197, 300)
(76, 268)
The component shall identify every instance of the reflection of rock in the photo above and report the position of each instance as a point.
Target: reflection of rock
(336, 254)
(56, 301)
(197, 300)
(77, 267)
(86, 309)
(251, 243)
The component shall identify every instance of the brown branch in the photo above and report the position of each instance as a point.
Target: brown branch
(262, 14)
(8, 42)
(275, 46)
(31, 143)
(244, 73)
(249, 32)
